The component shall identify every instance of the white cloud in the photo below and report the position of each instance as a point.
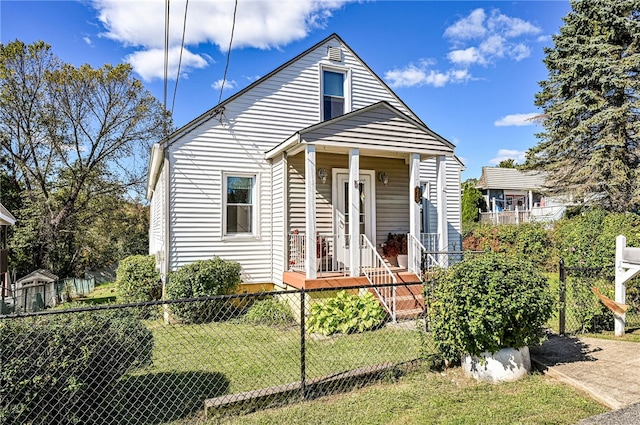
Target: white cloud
(517, 120)
(259, 24)
(150, 63)
(88, 41)
(420, 75)
(482, 38)
(504, 154)
(228, 84)
(466, 57)
(473, 26)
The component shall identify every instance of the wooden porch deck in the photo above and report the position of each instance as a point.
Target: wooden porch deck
(298, 280)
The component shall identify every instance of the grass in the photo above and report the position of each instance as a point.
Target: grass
(104, 293)
(439, 398)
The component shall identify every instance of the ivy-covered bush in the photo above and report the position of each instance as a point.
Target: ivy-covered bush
(57, 369)
(345, 313)
(530, 240)
(137, 279)
(203, 278)
(487, 303)
(270, 312)
(589, 239)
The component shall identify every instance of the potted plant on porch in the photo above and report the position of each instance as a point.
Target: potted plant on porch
(487, 311)
(395, 249)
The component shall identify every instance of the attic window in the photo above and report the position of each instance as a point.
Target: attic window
(335, 54)
(333, 94)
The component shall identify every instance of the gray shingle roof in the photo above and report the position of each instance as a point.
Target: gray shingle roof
(510, 178)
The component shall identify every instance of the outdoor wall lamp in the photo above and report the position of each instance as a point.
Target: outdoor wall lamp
(382, 176)
(322, 173)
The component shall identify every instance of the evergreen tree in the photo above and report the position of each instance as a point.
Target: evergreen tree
(472, 202)
(589, 145)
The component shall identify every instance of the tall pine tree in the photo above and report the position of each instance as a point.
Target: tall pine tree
(591, 105)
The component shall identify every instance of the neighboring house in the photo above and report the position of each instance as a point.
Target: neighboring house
(298, 153)
(6, 220)
(515, 196)
(36, 291)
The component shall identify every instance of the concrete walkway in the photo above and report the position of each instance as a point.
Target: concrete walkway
(608, 370)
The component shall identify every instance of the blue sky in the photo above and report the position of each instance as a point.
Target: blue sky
(469, 69)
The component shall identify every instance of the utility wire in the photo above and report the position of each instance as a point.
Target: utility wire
(166, 60)
(184, 30)
(226, 68)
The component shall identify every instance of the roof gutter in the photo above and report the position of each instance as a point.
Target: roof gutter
(154, 168)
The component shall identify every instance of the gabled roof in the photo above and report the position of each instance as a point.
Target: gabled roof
(510, 178)
(6, 218)
(379, 126)
(41, 275)
(220, 107)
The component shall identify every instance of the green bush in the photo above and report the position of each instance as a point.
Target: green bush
(529, 240)
(137, 279)
(345, 313)
(487, 303)
(59, 368)
(269, 312)
(202, 278)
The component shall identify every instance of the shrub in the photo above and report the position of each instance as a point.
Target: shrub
(488, 303)
(202, 278)
(137, 279)
(269, 312)
(530, 240)
(58, 368)
(345, 313)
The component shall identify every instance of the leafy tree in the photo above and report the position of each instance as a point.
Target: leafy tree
(75, 139)
(507, 163)
(590, 103)
(472, 202)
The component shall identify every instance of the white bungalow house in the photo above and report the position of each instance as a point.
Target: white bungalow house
(514, 196)
(273, 177)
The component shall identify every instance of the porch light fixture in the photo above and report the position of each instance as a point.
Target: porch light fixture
(382, 176)
(322, 173)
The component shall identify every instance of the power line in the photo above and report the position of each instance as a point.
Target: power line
(226, 68)
(184, 30)
(166, 60)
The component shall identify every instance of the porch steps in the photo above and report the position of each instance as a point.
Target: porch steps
(409, 301)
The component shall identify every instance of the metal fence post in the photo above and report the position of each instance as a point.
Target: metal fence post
(303, 366)
(562, 299)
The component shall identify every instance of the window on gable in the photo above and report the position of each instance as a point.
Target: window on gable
(333, 94)
(240, 208)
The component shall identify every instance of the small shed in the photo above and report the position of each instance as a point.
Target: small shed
(36, 290)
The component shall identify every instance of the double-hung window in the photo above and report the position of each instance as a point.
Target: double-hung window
(333, 94)
(240, 204)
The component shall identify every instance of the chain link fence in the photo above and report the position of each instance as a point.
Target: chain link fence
(199, 360)
(580, 310)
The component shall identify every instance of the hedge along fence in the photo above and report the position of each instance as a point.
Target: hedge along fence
(104, 365)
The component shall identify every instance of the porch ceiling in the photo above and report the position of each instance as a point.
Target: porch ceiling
(377, 130)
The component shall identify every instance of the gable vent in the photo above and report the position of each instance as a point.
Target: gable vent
(335, 54)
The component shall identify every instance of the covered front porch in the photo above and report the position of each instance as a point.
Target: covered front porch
(350, 182)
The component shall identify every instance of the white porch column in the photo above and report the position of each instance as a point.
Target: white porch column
(310, 262)
(354, 211)
(530, 200)
(414, 211)
(441, 199)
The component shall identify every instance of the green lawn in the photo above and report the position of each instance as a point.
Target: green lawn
(427, 397)
(104, 293)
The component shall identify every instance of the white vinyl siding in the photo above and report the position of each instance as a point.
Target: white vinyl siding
(235, 138)
(428, 173)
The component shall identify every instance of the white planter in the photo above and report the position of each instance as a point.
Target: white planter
(403, 261)
(508, 364)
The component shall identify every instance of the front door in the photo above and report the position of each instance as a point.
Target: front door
(342, 215)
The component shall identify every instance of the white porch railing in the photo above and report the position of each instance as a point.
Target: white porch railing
(416, 251)
(327, 247)
(378, 273)
(430, 241)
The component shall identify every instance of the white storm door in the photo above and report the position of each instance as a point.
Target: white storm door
(342, 215)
